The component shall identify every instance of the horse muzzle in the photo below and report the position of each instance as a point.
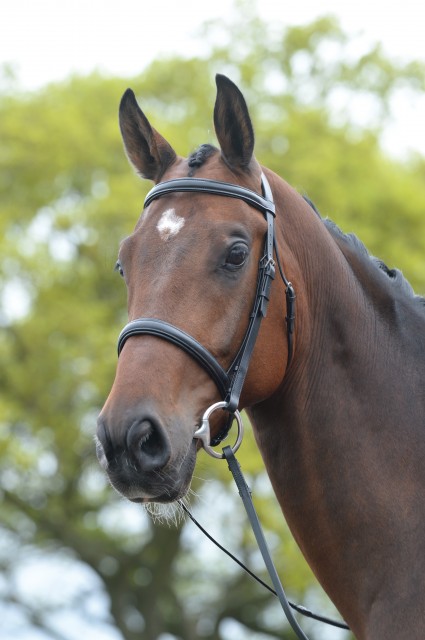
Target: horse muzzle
(140, 465)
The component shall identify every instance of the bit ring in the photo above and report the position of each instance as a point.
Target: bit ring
(204, 434)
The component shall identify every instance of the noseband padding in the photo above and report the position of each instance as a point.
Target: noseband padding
(167, 331)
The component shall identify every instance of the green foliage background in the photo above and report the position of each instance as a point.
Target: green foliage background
(67, 197)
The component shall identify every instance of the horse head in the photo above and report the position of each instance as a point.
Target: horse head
(192, 262)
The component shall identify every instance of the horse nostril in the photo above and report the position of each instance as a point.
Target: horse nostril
(148, 444)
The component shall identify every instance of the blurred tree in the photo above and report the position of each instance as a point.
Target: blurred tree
(67, 197)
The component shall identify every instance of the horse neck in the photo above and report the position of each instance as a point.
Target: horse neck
(327, 435)
(330, 296)
(335, 328)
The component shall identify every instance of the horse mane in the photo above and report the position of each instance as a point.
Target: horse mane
(357, 247)
(394, 276)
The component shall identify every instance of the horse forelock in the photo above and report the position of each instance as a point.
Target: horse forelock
(199, 157)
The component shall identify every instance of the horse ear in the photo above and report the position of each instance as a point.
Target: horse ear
(233, 125)
(146, 149)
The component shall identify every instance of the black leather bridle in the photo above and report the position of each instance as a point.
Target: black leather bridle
(228, 382)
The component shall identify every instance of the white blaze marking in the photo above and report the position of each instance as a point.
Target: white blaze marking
(169, 224)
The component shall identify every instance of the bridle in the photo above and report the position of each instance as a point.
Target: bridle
(230, 382)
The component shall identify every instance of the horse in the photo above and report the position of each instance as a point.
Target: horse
(336, 401)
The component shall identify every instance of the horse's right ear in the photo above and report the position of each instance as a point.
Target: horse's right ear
(146, 149)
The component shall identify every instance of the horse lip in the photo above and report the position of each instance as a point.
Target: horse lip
(141, 495)
(144, 500)
(163, 498)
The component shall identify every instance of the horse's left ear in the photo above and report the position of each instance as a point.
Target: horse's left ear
(233, 125)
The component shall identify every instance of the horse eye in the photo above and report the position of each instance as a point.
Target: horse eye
(237, 255)
(118, 267)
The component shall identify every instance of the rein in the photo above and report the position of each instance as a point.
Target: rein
(246, 497)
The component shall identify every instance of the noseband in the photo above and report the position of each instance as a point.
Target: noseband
(228, 382)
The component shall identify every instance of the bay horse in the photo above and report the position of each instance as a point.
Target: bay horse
(339, 424)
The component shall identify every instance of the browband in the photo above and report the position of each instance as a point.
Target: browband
(214, 187)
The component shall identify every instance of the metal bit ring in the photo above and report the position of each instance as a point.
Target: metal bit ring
(204, 434)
